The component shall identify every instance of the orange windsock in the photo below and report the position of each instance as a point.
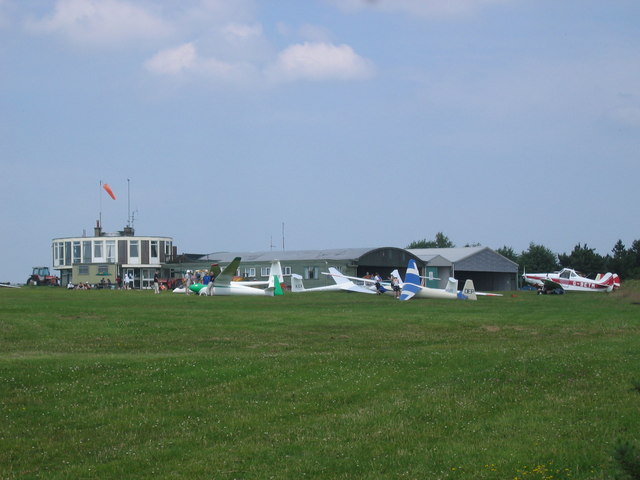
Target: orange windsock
(107, 188)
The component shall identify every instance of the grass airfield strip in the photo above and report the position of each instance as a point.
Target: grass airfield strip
(113, 384)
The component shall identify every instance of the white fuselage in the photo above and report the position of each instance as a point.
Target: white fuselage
(569, 279)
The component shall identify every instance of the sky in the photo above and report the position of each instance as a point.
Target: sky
(342, 123)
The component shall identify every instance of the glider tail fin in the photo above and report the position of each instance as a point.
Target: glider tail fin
(411, 284)
(468, 292)
(452, 286)
(396, 274)
(296, 283)
(276, 279)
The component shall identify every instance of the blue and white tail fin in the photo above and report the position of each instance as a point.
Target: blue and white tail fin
(411, 284)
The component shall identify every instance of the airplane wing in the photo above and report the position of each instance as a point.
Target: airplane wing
(356, 288)
(224, 279)
(345, 282)
(337, 274)
(550, 284)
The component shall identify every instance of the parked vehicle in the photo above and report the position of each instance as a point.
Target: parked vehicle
(42, 276)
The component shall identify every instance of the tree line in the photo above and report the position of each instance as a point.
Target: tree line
(538, 258)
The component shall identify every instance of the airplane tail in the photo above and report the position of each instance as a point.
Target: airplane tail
(296, 283)
(396, 274)
(452, 286)
(611, 280)
(468, 292)
(276, 279)
(411, 283)
(616, 281)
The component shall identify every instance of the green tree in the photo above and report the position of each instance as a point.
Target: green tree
(538, 258)
(634, 253)
(441, 241)
(583, 259)
(625, 262)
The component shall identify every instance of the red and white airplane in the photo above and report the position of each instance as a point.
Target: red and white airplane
(569, 279)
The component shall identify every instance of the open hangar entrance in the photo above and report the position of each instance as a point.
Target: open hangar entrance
(384, 261)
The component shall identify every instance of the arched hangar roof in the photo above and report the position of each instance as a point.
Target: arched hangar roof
(377, 257)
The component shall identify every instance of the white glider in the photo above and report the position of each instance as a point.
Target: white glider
(342, 284)
(222, 284)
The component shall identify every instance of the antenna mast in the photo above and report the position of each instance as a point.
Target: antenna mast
(100, 212)
(128, 204)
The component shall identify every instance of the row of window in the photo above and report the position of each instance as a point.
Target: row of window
(68, 253)
(309, 273)
(102, 270)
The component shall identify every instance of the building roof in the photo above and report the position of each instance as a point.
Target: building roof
(469, 258)
(288, 255)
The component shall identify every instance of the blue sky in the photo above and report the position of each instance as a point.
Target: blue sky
(355, 123)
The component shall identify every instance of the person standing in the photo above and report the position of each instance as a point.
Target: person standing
(395, 285)
(156, 283)
(210, 285)
(187, 282)
(378, 279)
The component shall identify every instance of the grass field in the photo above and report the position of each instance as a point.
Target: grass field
(127, 384)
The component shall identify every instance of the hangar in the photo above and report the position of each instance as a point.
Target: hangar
(489, 270)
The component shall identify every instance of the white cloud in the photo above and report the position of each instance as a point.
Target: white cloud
(186, 62)
(102, 22)
(319, 61)
(308, 61)
(173, 61)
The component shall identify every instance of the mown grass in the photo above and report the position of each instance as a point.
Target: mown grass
(126, 384)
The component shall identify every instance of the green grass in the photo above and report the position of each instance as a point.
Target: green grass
(126, 384)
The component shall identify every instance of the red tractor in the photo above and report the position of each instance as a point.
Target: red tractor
(42, 276)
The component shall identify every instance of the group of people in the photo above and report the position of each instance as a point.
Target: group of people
(190, 278)
(394, 281)
(125, 283)
(122, 283)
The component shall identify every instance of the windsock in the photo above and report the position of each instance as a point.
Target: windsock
(107, 188)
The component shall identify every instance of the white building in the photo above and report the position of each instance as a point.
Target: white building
(104, 257)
